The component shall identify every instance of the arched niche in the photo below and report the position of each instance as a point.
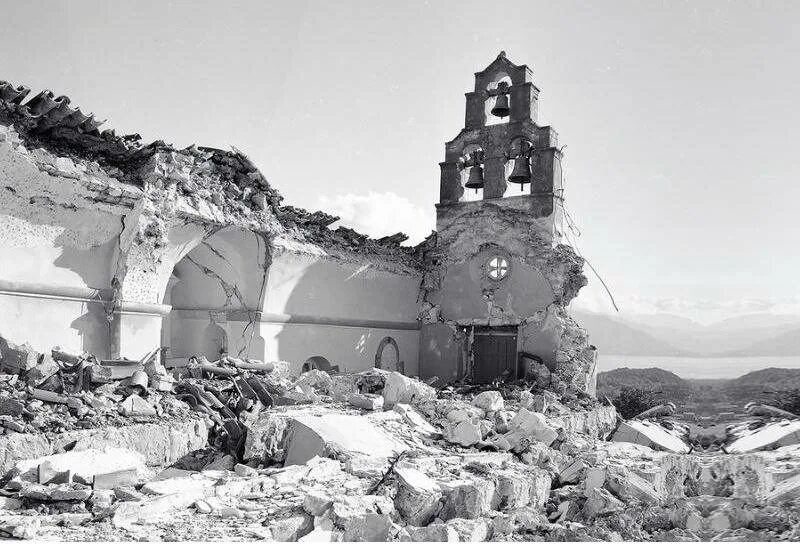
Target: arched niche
(387, 356)
(490, 100)
(469, 195)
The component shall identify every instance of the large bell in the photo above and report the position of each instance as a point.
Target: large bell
(475, 180)
(522, 171)
(500, 108)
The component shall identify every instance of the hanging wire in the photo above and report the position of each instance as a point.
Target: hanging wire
(576, 232)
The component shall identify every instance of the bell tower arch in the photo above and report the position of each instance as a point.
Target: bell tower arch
(486, 161)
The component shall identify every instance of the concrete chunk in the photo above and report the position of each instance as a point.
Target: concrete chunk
(489, 401)
(418, 496)
(528, 425)
(83, 464)
(309, 436)
(399, 389)
(369, 402)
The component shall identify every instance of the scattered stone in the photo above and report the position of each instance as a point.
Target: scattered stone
(136, 406)
(465, 433)
(10, 406)
(399, 389)
(369, 402)
(467, 498)
(9, 504)
(116, 479)
(229, 512)
(600, 502)
(310, 436)
(527, 426)
(316, 502)
(291, 528)
(470, 530)
(244, 470)
(489, 401)
(221, 463)
(418, 497)
(368, 527)
(436, 532)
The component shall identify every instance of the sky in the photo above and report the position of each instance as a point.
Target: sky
(679, 118)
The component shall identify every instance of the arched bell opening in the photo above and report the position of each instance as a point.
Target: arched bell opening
(471, 173)
(518, 168)
(498, 100)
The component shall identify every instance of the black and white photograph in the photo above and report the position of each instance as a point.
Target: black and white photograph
(399, 272)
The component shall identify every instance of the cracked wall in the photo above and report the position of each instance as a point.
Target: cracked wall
(128, 246)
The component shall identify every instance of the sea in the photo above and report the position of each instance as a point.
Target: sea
(699, 368)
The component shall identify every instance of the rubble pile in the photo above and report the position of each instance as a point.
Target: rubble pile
(370, 456)
(355, 457)
(57, 391)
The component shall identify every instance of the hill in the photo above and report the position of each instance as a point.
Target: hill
(667, 384)
(762, 385)
(780, 378)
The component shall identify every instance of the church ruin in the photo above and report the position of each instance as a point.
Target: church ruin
(117, 247)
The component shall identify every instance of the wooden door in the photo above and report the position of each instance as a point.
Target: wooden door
(494, 355)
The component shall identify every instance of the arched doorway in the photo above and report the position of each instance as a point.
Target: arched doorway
(387, 356)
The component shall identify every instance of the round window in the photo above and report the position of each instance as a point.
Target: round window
(497, 268)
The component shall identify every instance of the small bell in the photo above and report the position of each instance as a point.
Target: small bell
(522, 171)
(475, 180)
(500, 108)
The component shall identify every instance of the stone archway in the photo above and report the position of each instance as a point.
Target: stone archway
(388, 356)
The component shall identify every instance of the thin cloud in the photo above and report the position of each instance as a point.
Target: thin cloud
(381, 214)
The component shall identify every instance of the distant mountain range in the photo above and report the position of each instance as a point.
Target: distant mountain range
(669, 335)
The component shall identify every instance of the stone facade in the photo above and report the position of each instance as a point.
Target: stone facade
(464, 295)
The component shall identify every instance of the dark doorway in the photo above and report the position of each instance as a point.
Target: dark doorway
(494, 354)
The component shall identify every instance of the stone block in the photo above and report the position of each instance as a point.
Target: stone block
(17, 358)
(347, 435)
(464, 433)
(529, 426)
(116, 479)
(470, 530)
(437, 532)
(369, 402)
(10, 406)
(418, 497)
(291, 528)
(489, 401)
(399, 389)
(371, 527)
(467, 498)
(136, 406)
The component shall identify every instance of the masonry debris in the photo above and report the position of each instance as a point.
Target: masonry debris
(369, 456)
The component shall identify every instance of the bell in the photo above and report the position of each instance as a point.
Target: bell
(500, 108)
(475, 180)
(522, 171)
